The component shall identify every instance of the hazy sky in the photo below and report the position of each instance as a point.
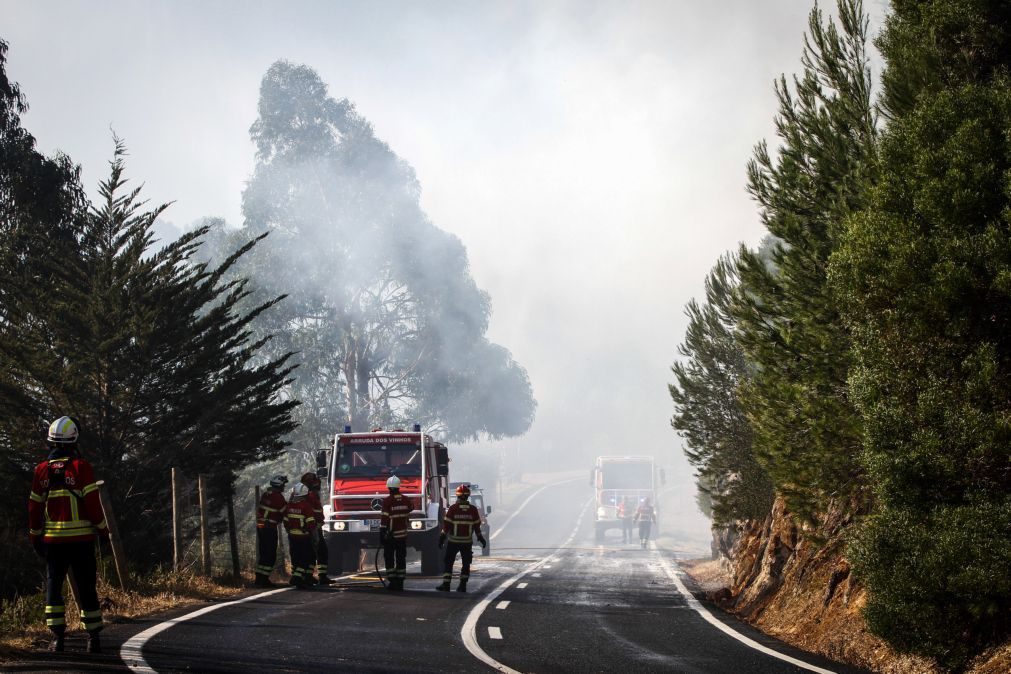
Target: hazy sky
(590, 155)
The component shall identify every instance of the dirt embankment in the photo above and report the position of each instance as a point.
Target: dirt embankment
(797, 586)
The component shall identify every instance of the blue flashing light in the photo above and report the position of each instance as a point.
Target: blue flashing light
(347, 428)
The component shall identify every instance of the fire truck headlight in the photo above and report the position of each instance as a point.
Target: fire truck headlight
(417, 524)
(340, 526)
(601, 512)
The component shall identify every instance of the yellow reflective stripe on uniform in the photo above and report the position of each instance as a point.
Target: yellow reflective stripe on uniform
(101, 526)
(35, 497)
(61, 492)
(55, 609)
(68, 534)
(97, 613)
(77, 524)
(90, 488)
(55, 622)
(270, 510)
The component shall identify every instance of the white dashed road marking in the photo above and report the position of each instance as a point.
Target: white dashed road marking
(521, 586)
(503, 604)
(469, 630)
(494, 633)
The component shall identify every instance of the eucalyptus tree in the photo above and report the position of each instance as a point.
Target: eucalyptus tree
(387, 323)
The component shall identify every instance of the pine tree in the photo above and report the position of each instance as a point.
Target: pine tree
(925, 274)
(708, 413)
(807, 432)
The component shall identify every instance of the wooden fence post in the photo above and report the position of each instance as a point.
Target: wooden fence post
(205, 540)
(177, 534)
(233, 539)
(115, 542)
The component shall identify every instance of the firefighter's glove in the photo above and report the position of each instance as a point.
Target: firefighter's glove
(39, 546)
(382, 537)
(484, 543)
(442, 540)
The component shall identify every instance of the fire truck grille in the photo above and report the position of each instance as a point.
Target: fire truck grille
(355, 504)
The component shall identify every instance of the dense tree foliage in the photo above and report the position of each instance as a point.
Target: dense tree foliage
(708, 413)
(926, 277)
(40, 204)
(807, 432)
(147, 348)
(384, 317)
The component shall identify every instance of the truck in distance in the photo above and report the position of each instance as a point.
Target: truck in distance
(622, 479)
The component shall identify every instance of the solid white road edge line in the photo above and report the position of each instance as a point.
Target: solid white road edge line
(469, 629)
(131, 652)
(723, 627)
(523, 505)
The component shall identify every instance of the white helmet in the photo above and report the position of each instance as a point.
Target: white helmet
(278, 481)
(299, 491)
(63, 431)
(393, 483)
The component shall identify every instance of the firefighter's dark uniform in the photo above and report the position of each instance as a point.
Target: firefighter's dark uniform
(300, 522)
(393, 526)
(269, 514)
(461, 523)
(321, 556)
(65, 516)
(645, 516)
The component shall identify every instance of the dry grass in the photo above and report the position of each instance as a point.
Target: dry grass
(22, 623)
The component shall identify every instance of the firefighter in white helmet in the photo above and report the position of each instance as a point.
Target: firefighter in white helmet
(393, 533)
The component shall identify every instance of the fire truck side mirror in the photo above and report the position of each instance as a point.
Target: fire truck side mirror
(441, 461)
(487, 510)
(322, 458)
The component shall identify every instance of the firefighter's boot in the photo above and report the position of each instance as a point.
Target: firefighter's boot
(326, 580)
(262, 580)
(94, 642)
(56, 645)
(444, 587)
(462, 587)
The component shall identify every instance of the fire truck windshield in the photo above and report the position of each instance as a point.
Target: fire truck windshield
(638, 475)
(379, 460)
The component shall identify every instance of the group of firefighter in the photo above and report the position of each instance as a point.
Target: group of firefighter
(629, 515)
(65, 519)
(302, 516)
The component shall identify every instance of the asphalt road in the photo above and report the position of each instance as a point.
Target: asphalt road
(547, 600)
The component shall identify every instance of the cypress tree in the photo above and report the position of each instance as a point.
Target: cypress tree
(925, 274)
(160, 367)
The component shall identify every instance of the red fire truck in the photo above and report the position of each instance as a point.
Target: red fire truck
(358, 466)
(623, 480)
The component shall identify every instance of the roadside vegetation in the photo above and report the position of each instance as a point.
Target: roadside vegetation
(231, 352)
(22, 618)
(860, 353)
